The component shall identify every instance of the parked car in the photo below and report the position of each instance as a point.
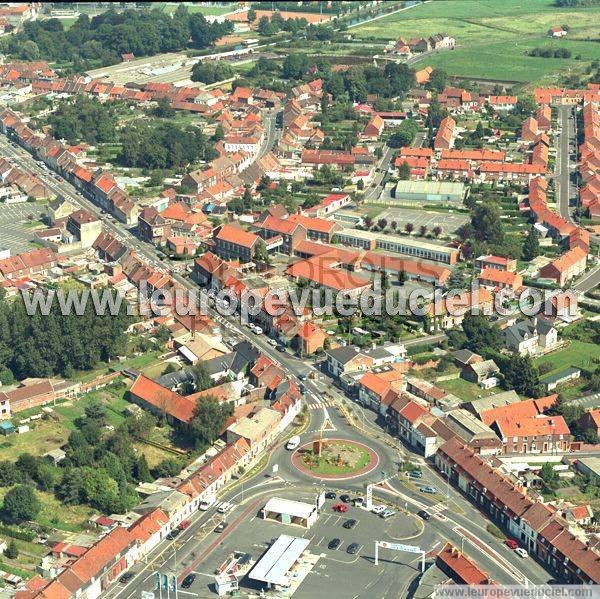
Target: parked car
(185, 524)
(358, 502)
(273, 342)
(521, 552)
(126, 577)
(511, 543)
(330, 495)
(378, 509)
(430, 490)
(423, 514)
(173, 534)
(205, 505)
(387, 514)
(345, 498)
(281, 348)
(352, 548)
(334, 544)
(224, 507)
(349, 524)
(187, 582)
(221, 526)
(340, 507)
(415, 474)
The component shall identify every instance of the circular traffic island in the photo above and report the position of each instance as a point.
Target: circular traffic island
(334, 459)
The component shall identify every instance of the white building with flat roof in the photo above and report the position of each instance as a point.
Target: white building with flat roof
(276, 567)
(288, 511)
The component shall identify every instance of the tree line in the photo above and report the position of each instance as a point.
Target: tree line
(106, 36)
(57, 344)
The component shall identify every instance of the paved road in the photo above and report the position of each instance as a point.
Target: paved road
(375, 189)
(563, 169)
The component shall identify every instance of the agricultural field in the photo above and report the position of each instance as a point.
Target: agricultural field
(493, 37)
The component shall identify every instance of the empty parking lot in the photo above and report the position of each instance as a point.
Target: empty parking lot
(16, 232)
(448, 221)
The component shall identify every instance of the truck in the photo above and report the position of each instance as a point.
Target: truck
(293, 443)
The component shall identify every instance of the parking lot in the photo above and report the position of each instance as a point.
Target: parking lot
(15, 234)
(353, 573)
(449, 222)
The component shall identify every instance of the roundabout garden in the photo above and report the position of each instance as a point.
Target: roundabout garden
(334, 459)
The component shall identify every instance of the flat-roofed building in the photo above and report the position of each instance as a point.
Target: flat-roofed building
(288, 511)
(398, 244)
(276, 567)
(428, 191)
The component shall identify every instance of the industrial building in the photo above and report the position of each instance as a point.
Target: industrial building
(429, 191)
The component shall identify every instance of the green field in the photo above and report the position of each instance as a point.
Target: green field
(464, 389)
(493, 36)
(577, 353)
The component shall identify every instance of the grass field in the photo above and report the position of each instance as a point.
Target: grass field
(493, 37)
(465, 390)
(577, 353)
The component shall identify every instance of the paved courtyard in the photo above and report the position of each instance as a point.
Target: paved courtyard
(449, 221)
(15, 234)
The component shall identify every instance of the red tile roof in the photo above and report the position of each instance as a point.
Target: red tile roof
(466, 571)
(163, 399)
(237, 235)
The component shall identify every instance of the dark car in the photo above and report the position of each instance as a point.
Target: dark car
(173, 534)
(126, 577)
(281, 348)
(349, 524)
(187, 582)
(352, 548)
(221, 527)
(330, 495)
(345, 498)
(423, 514)
(334, 544)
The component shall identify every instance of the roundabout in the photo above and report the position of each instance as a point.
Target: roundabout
(334, 459)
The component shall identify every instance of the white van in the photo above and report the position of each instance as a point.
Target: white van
(293, 443)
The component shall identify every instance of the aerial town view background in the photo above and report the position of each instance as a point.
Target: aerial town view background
(299, 298)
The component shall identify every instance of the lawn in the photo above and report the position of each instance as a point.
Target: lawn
(70, 518)
(465, 390)
(577, 353)
(493, 37)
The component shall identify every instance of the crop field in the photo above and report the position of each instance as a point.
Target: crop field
(493, 37)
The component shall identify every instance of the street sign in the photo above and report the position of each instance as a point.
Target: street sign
(369, 497)
(399, 547)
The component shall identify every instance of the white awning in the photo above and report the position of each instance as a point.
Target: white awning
(295, 509)
(275, 564)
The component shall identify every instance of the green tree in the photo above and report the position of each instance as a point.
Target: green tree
(251, 15)
(521, 374)
(531, 245)
(211, 71)
(404, 134)
(202, 377)
(483, 336)
(142, 472)
(437, 80)
(12, 551)
(208, 420)
(404, 171)
(20, 504)
(549, 476)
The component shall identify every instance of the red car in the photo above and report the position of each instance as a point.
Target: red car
(511, 543)
(340, 507)
(184, 525)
